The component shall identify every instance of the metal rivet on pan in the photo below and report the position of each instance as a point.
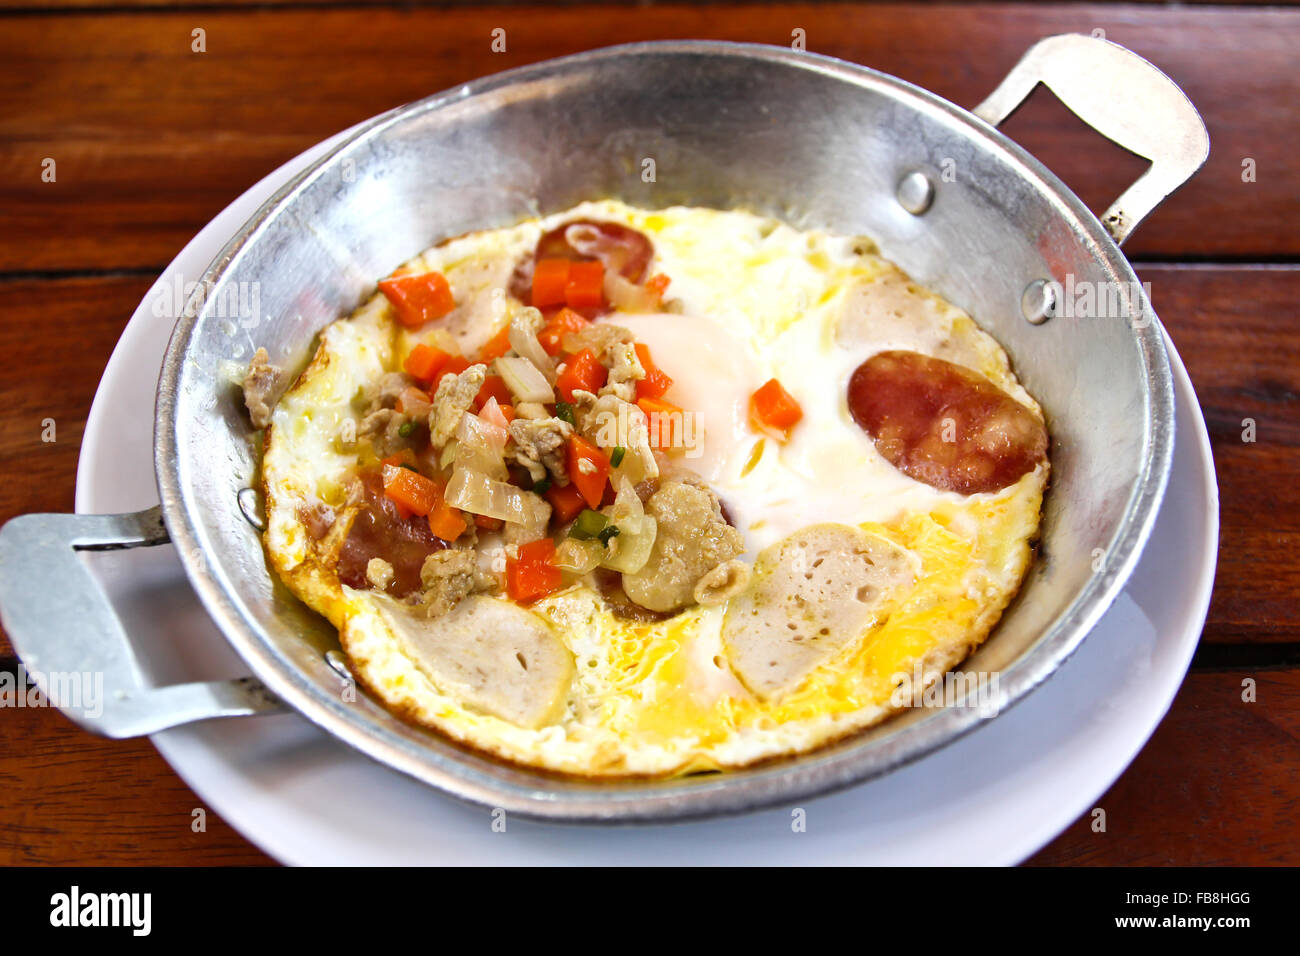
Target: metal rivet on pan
(1038, 301)
(338, 663)
(250, 506)
(915, 193)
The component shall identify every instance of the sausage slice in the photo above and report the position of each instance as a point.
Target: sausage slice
(944, 424)
(490, 654)
(812, 594)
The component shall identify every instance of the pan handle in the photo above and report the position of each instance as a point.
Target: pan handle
(1124, 98)
(69, 638)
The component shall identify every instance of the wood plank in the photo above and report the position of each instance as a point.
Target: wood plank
(1216, 785)
(1233, 329)
(74, 799)
(56, 338)
(151, 139)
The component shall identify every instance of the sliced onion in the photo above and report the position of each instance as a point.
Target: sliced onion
(627, 503)
(630, 549)
(628, 296)
(476, 429)
(448, 454)
(478, 494)
(638, 462)
(525, 382)
(492, 414)
(536, 520)
(523, 339)
(480, 446)
(631, 431)
(580, 557)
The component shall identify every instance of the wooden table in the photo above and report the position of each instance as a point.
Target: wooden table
(151, 139)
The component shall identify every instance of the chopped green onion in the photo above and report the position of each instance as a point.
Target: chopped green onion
(405, 429)
(616, 456)
(542, 487)
(590, 524)
(608, 534)
(564, 412)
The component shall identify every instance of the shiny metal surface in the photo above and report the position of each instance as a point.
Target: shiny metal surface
(915, 193)
(815, 141)
(1038, 302)
(71, 642)
(1124, 98)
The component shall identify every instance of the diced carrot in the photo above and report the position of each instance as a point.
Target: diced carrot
(446, 522)
(454, 366)
(537, 552)
(508, 412)
(772, 407)
(657, 285)
(496, 346)
(418, 299)
(413, 494)
(410, 489)
(665, 419)
(488, 524)
(533, 574)
(586, 286)
(566, 502)
(656, 381)
(588, 469)
(494, 386)
(561, 324)
(582, 371)
(425, 361)
(550, 277)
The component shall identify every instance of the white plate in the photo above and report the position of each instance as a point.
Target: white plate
(994, 797)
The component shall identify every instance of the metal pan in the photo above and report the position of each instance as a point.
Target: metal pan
(809, 139)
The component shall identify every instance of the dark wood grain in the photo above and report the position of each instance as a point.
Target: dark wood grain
(151, 139)
(56, 338)
(1217, 784)
(1235, 331)
(69, 798)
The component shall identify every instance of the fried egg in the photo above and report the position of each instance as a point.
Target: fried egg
(862, 577)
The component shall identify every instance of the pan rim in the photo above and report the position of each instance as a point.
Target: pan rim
(812, 774)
